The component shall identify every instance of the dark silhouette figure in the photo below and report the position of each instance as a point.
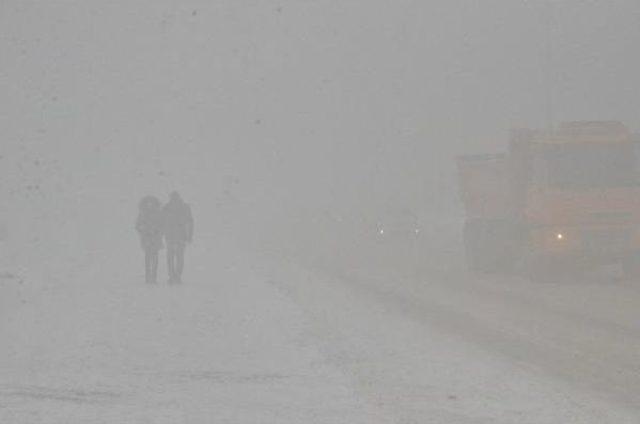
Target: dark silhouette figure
(149, 226)
(178, 231)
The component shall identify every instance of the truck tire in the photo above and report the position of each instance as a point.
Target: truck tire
(491, 246)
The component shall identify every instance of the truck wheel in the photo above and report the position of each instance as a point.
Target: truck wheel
(477, 259)
(551, 269)
(489, 246)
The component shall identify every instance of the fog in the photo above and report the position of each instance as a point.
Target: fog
(308, 139)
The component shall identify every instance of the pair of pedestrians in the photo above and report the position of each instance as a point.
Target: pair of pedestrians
(157, 225)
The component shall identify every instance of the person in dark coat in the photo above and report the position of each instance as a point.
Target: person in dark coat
(149, 226)
(178, 231)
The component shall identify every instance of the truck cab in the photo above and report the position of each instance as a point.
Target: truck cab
(570, 195)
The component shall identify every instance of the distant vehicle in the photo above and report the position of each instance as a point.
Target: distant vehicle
(567, 196)
(398, 226)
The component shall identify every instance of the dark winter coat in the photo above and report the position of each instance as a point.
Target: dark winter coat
(178, 222)
(149, 225)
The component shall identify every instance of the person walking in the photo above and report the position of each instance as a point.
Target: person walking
(149, 225)
(178, 231)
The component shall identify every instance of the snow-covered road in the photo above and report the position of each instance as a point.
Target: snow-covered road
(270, 338)
(440, 345)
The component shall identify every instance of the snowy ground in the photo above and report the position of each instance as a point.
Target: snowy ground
(104, 348)
(269, 336)
(427, 342)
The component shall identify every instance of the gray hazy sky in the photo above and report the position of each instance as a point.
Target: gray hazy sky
(317, 96)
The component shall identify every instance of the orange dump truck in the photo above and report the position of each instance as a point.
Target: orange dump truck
(567, 196)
